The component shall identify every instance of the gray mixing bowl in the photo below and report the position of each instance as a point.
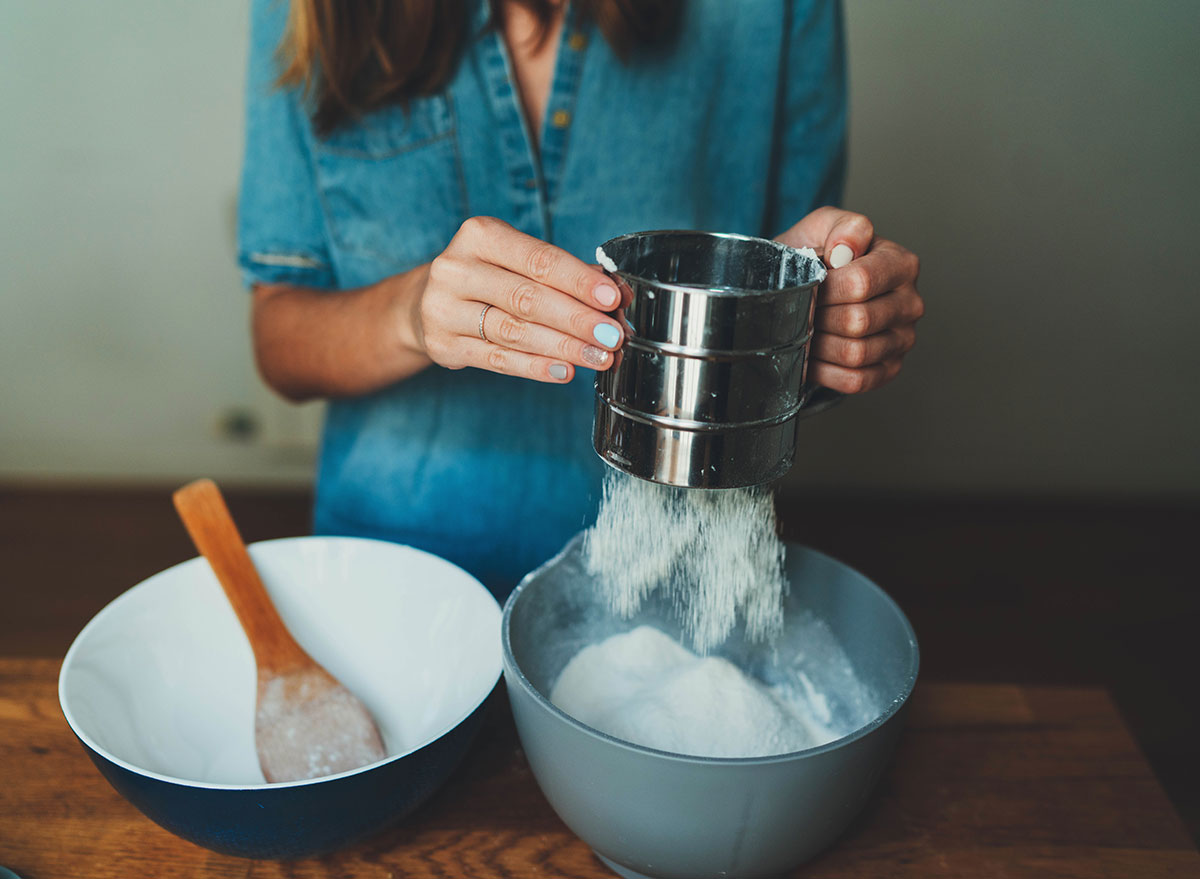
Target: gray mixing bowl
(650, 813)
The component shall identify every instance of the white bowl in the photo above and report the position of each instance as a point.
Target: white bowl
(160, 688)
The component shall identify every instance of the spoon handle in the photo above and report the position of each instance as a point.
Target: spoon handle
(212, 529)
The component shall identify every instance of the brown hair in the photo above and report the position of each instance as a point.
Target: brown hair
(354, 56)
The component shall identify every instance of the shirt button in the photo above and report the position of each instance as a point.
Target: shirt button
(577, 41)
(560, 119)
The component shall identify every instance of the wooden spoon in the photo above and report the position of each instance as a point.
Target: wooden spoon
(306, 724)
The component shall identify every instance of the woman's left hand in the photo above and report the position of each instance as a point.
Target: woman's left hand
(868, 306)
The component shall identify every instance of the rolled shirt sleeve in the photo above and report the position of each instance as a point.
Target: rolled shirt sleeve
(811, 132)
(281, 228)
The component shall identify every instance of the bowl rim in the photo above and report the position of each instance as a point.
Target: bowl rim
(898, 702)
(99, 750)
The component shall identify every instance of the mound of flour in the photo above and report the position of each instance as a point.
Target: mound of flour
(716, 552)
(644, 687)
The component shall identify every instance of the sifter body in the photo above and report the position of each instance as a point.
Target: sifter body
(707, 390)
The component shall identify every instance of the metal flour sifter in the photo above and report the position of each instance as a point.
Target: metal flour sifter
(709, 386)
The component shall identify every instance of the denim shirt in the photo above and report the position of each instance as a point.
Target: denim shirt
(738, 125)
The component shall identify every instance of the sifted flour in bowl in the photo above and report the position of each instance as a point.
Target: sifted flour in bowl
(642, 686)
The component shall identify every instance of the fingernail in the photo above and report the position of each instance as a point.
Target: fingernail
(606, 295)
(558, 371)
(841, 255)
(607, 335)
(595, 356)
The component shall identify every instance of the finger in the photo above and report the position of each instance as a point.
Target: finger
(860, 319)
(828, 227)
(496, 358)
(886, 267)
(857, 353)
(509, 331)
(623, 289)
(538, 303)
(853, 381)
(498, 243)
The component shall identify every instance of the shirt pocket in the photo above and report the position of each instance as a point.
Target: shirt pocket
(392, 183)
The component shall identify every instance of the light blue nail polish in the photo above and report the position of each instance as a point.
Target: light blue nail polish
(558, 371)
(607, 335)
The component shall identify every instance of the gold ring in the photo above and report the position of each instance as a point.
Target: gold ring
(482, 315)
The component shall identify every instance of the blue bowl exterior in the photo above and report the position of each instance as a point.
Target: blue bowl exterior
(295, 821)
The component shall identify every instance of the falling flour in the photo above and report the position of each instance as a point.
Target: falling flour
(715, 552)
(643, 687)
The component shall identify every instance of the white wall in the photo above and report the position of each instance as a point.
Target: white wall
(122, 321)
(1039, 156)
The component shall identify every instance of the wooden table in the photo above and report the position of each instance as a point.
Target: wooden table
(990, 781)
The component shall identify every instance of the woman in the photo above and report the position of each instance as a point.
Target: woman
(423, 188)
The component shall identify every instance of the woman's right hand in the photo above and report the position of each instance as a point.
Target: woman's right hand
(501, 300)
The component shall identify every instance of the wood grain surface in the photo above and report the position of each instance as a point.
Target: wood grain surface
(1095, 593)
(990, 781)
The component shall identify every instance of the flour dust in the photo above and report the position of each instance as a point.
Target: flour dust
(716, 553)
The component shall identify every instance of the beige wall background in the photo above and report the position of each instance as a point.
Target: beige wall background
(1041, 157)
